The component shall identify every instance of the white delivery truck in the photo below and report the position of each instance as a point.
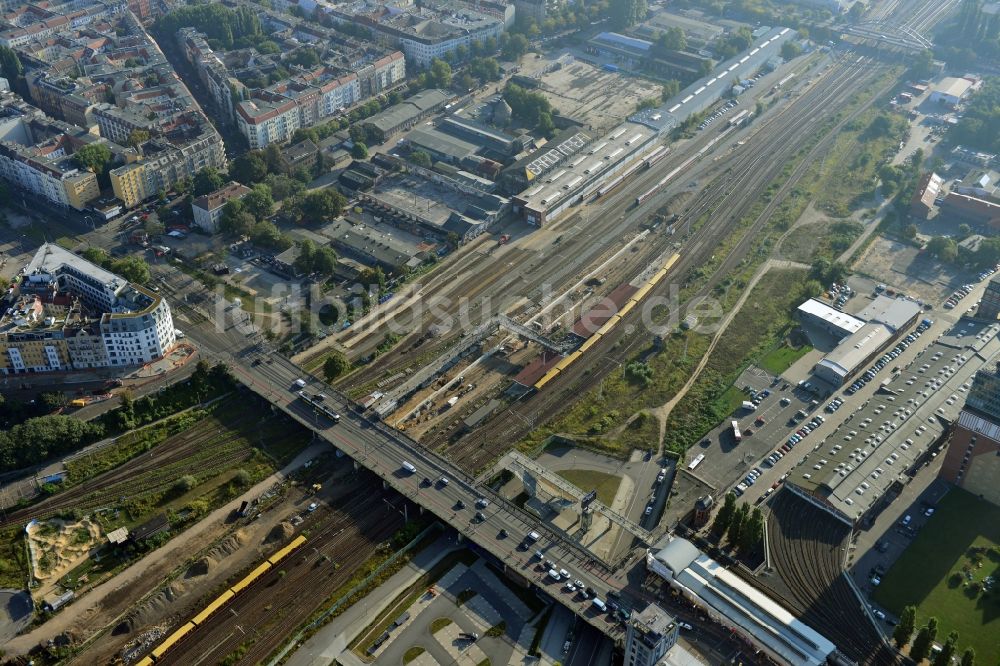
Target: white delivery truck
(409, 468)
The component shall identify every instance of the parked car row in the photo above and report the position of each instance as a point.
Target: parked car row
(959, 294)
(887, 358)
(718, 114)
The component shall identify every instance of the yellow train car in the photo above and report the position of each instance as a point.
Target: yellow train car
(546, 378)
(208, 610)
(145, 661)
(286, 551)
(171, 640)
(251, 578)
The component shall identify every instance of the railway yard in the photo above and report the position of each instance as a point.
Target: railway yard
(274, 514)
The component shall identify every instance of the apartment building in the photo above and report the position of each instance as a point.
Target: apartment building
(36, 154)
(65, 313)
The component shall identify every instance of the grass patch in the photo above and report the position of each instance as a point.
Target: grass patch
(440, 623)
(782, 358)
(586, 480)
(13, 558)
(764, 318)
(962, 537)
(412, 654)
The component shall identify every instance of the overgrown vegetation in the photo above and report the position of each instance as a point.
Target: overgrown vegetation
(766, 317)
(44, 438)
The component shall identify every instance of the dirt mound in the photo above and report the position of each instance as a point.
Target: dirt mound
(229, 545)
(281, 532)
(200, 568)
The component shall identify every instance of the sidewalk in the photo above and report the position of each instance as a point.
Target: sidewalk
(331, 641)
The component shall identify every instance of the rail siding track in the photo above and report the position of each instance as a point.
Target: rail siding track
(807, 554)
(258, 620)
(734, 194)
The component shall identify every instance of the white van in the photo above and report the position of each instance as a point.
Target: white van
(600, 605)
(409, 468)
(301, 383)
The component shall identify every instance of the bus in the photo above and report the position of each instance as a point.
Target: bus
(736, 431)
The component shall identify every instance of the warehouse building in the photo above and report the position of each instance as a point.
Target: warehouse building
(951, 90)
(833, 321)
(730, 600)
(884, 320)
(405, 115)
(560, 188)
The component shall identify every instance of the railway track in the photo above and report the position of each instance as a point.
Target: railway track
(258, 620)
(196, 449)
(807, 551)
(733, 193)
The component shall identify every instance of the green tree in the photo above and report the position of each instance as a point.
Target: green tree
(259, 202)
(968, 657)
(724, 515)
(904, 629)
(626, 13)
(335, 365)
(943, 248)
(282, 187)
(10, 65)
(545, 126)
(670, 89)
(133, 269)
(910, 231)
(515, 47)
(421, 158)
(249, 168)
(944, 657)
(440, 73)
(321, 205)
(235, 221)
(359, 151)
(372, 277)
(206, 181)
(265, 234)
(790, 50)
(738, 524)
(93, 157)
(137, 137)
(673, 39)
(925, 638)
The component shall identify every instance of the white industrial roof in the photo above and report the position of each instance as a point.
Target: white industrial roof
(893, 312)
(835, 317)
(953, 86)
(740, 603)
(856, 348)
(601, 155)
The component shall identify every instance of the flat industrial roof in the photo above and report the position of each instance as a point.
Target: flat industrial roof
(856, 348)
(833, 316)
(896, 425)
(737, 601)
(893, 312)
(705, 91)
(601, 154)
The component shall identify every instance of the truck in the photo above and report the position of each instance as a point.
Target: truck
(408, 467)
(749, 406)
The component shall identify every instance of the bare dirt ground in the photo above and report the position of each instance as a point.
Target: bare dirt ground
(56, 547)
(110, 605)
(592, 95)
(915, 273)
